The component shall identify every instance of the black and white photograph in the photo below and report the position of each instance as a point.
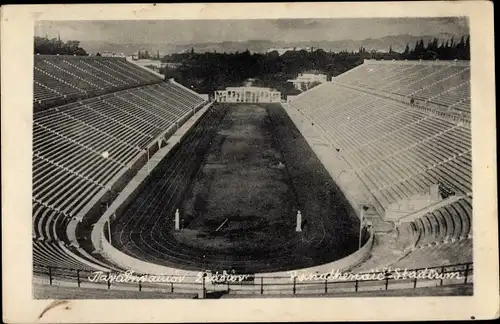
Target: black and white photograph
(253, 158)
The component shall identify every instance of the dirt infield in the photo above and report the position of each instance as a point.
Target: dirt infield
(240, 188)
(238, 179)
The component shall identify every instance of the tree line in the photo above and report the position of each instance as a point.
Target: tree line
(444, 50)
(44, 45)
(206, 72)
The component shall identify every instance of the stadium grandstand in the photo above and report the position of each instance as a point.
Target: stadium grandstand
(116, 148)
(118, 113)
(402, 128)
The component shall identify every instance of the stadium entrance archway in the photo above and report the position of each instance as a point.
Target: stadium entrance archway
(247, 95)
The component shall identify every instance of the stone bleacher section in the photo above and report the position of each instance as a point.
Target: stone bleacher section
(80, 149)
(396, 148)
(442, 85)
(62, 79)
(440, 237)
(399, 148)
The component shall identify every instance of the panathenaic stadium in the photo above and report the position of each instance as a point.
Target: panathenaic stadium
(143, 188)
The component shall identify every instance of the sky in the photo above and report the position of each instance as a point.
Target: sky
(204, 31)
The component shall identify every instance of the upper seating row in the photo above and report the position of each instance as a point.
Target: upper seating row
(446, 84)
(60, 79)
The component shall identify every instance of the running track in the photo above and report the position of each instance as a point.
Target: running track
(144, 230)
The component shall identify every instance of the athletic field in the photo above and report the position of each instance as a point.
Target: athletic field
(238, 179)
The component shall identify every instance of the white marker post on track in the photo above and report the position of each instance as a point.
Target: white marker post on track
(177, 220)
(299, 222)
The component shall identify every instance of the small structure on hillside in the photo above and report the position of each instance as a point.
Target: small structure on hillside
(307, 80)
(111, 54)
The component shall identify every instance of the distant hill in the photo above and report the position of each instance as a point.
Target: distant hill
(398, 43)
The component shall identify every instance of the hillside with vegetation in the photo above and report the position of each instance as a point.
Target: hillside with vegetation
(54, 46)
(209, 71)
